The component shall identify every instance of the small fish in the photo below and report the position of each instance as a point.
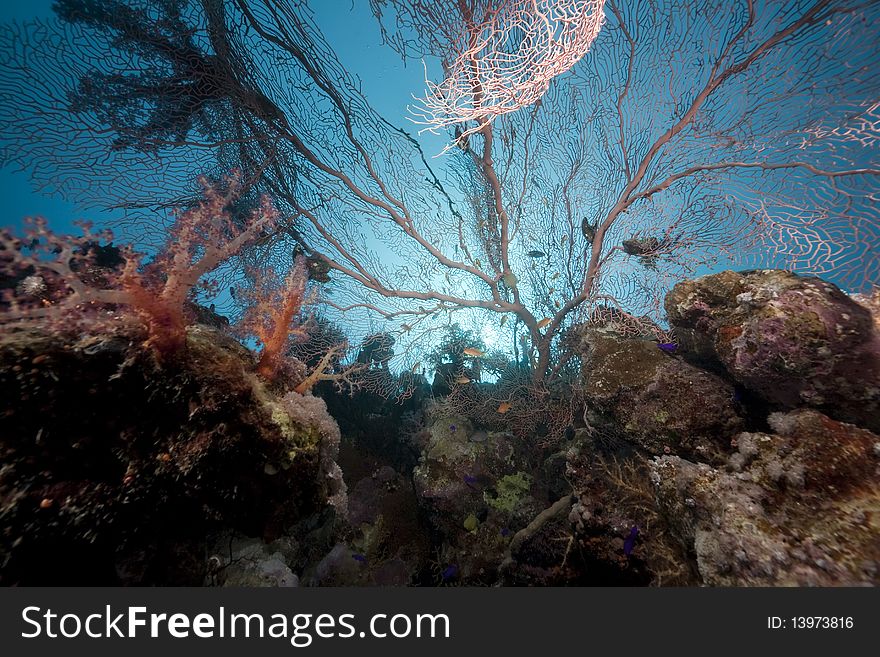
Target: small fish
(588, 229)
(544, 322)
(406, 327)
(473, 351)
(505, 531)
(478, 264)
(630, 541)
(668, 347)
(503, 407)
(551, 290)
(557, 304)
(462, 380)
(737, 394)
(503, 320)
(470, 480)
(479, 437)
(450, 572)
(554, 276)
(452, 428)
(536, 254)
(415, 368)
(359, 557)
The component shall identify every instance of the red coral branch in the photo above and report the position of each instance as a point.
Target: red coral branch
(273, 314)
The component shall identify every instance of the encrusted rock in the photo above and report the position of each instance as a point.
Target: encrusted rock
(800, 506)
(249, 562)
(795, 341)
(459, 476)
(659, 402)
(475, 494)
(119, 469)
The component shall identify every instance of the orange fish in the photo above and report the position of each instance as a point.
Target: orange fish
(473, 351)
(544, 322)
(503, 407)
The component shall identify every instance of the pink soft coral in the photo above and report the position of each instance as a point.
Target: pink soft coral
(272, 315)
(64, 282)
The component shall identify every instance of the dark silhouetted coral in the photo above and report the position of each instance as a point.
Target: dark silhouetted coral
(119, 467)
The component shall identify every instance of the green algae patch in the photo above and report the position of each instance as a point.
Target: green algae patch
(509, 491)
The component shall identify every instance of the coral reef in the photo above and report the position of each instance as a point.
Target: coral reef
(795, 507)
(681, 464)
(793, 340)
(119, 467)
(661, 403)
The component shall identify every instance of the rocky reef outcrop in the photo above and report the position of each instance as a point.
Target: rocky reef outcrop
(658, 402)
(794, 340)
(743, 453)
(796, 501)
(121, 469)
(798, 506)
